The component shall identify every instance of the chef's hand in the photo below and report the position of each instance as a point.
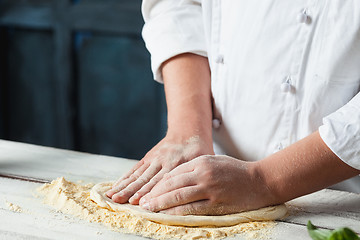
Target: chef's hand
(208, 185)
(221, 185)
(164, 157)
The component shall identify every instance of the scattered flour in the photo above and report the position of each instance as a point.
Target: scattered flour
(74, 199)
(13, 207)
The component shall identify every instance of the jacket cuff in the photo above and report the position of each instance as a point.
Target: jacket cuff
(172, 33)
(341, 132)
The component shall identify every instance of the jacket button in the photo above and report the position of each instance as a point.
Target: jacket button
(219, 59)
(285, 87)
(216, 123)
(302, 17)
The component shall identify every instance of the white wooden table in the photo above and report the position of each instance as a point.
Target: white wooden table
(327, 208)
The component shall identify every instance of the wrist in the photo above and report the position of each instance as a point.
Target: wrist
(267, 183)
(185, 136)
(184, 132)
(187, 126)
(192, 113)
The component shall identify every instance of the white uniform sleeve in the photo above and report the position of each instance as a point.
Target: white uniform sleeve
(172, 27)
(341, 132)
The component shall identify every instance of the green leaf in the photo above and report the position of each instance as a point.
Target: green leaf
(337, 234)
(317, 234)
(343, 234)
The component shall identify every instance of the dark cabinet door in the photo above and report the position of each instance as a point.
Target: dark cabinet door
(76, 75)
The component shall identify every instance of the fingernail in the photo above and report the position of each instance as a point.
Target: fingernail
(116, 196)
(133, 198)
(109, 193)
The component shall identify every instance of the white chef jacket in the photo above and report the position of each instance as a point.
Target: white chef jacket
(280, 69)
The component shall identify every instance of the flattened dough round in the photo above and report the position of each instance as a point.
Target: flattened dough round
(97, 194)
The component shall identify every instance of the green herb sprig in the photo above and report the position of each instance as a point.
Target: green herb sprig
(337, 234)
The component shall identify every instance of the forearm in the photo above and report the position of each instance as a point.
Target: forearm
(188, 95)
(304, 167)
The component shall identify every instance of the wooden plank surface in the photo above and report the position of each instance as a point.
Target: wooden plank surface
(50, 163)
(39, 221)
(326, 208)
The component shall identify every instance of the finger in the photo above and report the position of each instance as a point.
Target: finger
(183, 168)
(161, 177)
(178, 171)
(123, 184)
(147, 187)
(202, 207)
(174, 198)
(124, 195)
(126, 175)
(170, 183)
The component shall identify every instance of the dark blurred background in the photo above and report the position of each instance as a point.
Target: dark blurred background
(76, 75)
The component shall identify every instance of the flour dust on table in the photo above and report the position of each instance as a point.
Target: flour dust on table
(74, 199)
(13, 207)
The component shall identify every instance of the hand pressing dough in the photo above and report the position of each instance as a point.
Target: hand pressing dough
(97, 194)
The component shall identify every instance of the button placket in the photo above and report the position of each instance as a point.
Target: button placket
(216, 44)
(291, 83)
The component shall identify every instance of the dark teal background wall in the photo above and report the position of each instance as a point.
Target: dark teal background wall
(76, 75)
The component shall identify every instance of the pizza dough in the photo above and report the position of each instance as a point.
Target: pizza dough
(97, 194)
(74, 199)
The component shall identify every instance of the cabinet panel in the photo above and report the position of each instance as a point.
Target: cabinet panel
(30, 92)
(76, 74)
(119, 104)
(3, 61)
